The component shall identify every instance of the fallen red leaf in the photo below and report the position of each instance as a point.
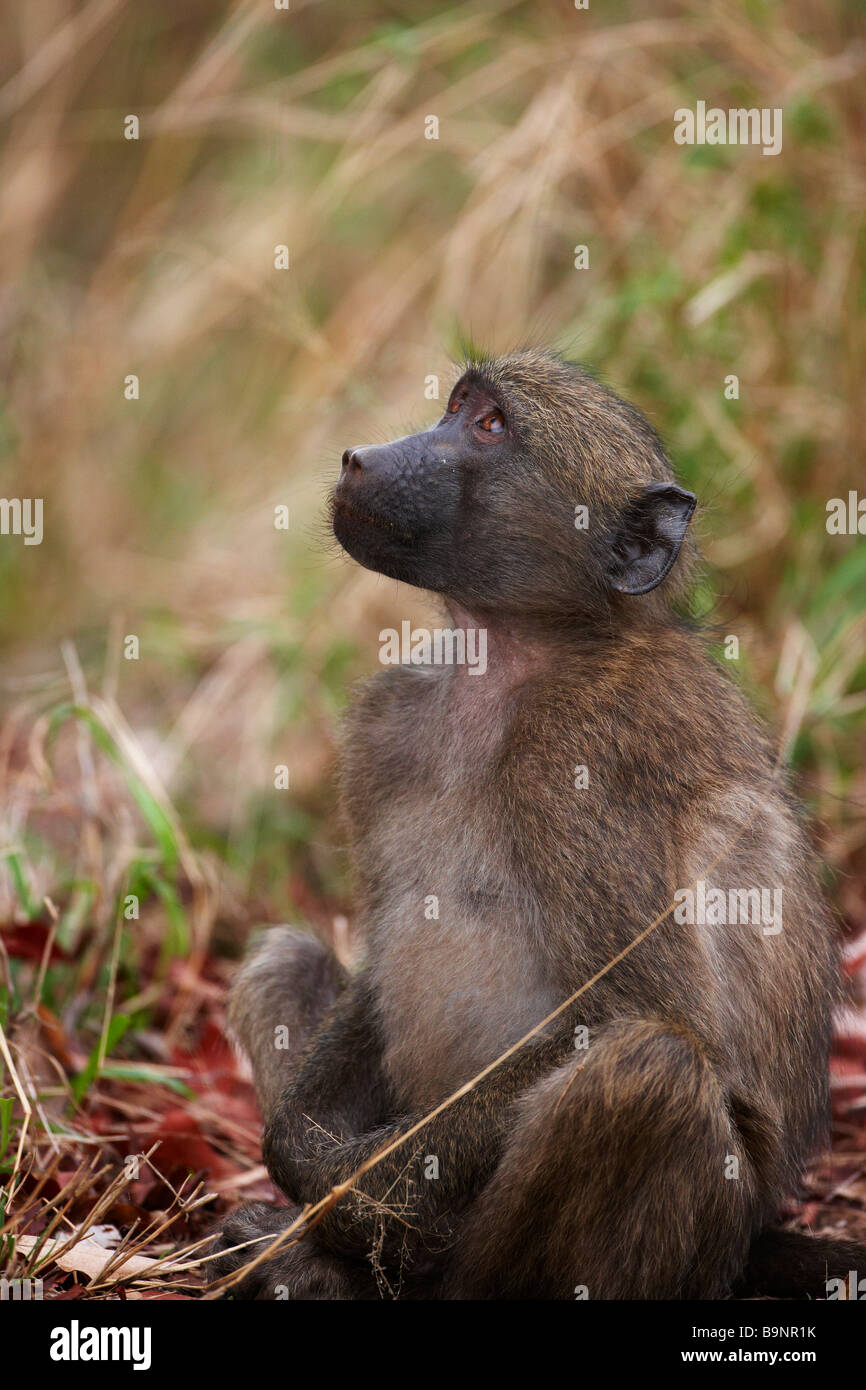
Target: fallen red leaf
(27, 941)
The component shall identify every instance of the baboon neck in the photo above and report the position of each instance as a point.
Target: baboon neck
(513, 650)
(520, 646)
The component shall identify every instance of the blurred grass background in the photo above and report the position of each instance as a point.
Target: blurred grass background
(155, 257)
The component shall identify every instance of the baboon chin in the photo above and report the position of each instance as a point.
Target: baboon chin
(519, 839)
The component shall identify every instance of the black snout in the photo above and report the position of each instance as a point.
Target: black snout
(394, 504)
(368, 466)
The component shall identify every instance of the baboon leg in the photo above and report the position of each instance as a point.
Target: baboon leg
(296, 1272)
(277, 1004)
(614, 1181)
(288, 982)
(792, 1264)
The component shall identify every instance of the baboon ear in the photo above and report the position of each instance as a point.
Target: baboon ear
(648, 539)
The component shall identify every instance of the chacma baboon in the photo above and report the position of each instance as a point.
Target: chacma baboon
(512, 834)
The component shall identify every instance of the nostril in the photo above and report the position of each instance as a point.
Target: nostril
(352, 461)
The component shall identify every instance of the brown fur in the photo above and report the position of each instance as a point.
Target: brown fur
(604, 1168)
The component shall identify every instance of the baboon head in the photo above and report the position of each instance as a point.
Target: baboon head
(538, 493)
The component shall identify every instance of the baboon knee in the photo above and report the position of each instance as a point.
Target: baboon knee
(623, 1176)
(280, 997)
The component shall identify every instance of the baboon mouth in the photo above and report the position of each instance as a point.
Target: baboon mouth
(348, 511)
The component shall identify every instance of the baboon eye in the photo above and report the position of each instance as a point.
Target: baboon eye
(492, 423)
(454, 404)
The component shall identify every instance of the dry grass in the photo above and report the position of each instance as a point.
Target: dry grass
(155, 257)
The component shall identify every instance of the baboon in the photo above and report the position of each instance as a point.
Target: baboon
(512, 834)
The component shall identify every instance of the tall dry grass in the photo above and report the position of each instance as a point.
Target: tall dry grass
(155, 257)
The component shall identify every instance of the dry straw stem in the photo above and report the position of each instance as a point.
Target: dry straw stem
(25, 1106)
(77, 1253)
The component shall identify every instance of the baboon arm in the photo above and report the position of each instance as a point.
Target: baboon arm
(339, 1091)
(407, 1199)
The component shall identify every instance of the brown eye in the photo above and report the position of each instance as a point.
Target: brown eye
(455, 404)
(493, 423)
